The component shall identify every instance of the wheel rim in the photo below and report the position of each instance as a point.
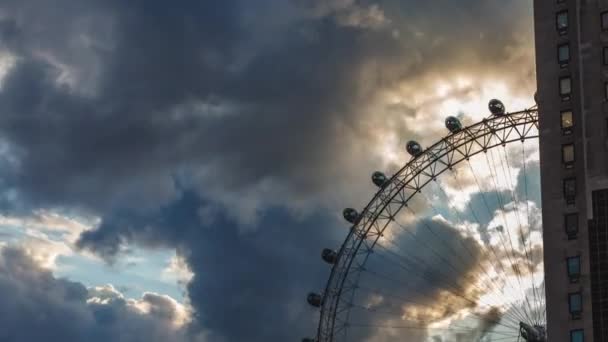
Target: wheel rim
(454, 149)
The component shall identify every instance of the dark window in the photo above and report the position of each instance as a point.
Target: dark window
(570, 190)
(605, 20)
(605, 55)
(561, 22)
(606, 90)
(567, 123)
(575, 303)
(563, 54)
(568, 155)
(574, 268)
(565, 88)
(571, 225)
(577, 336)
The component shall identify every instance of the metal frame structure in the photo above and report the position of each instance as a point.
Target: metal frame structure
(497, 130)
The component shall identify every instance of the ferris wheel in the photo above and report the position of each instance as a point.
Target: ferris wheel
(449, 248)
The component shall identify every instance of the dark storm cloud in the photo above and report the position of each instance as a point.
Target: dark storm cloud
(153, 112)
(148, 115)
(245, 286)
(39, 307)
(149, 90)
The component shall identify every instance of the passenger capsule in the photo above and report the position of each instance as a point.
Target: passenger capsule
(453, 124)
(379, 179)
(314, 299)
(496, 107)
(329, 256)
(350, 215)
(414, 148)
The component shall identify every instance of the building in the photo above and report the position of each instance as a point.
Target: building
(572, 77)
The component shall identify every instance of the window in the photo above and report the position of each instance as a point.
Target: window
(605, 50)
(574, 268)
(577, 335)
(571, 225)
(605, 20)
(567, 122)
(561, 21)
(565, 88)
(568, 155)
(563, 54)
(570, 190)
(606, 90)
(575, 303)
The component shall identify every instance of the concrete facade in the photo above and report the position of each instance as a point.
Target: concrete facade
(586, 71)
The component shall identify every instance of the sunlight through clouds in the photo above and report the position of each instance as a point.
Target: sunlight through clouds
(7, 62)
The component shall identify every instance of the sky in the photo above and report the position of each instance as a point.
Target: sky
(171, 172)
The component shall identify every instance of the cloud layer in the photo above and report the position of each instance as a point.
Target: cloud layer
(234, 131)
(42, 307)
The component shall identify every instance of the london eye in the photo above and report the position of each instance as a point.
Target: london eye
(449, 248)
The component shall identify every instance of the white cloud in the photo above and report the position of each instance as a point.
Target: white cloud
(42, 305)
(177, 271)
(371, 17)
(46, 235)
(7, 62)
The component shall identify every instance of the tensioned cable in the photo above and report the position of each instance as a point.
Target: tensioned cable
(513, 323)
(398, 327)
(506, 279)
(459, 293)
(496, 286)
(490, 216)
(505, 338)
(528, 257)
(438, 255)
(541, 296)
(506, 227)
(424, 222)
(533, 311)
(426, 323)
(425, 277)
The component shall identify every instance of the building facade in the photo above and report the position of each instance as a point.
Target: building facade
(572, 80)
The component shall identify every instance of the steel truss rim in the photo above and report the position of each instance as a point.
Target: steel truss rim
(485, 130)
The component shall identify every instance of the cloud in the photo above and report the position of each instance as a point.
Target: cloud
(42, 307)
(178, 271)
(150, 118)
(228, 130)
(348, 13)
(44, 234)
